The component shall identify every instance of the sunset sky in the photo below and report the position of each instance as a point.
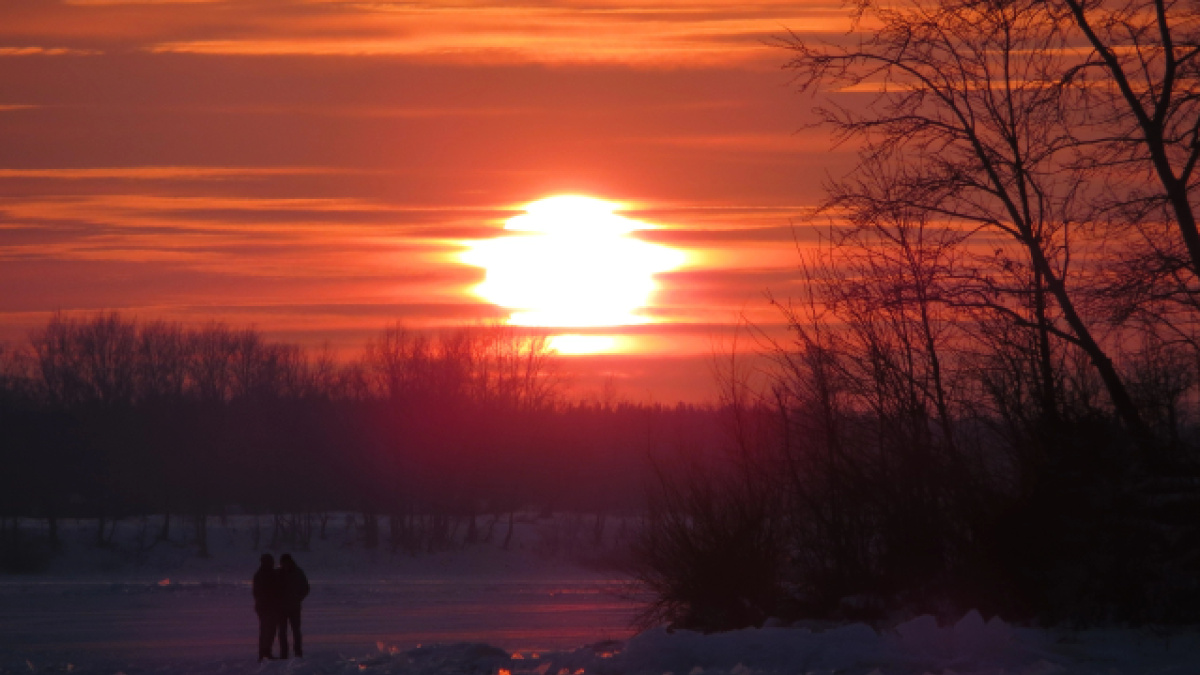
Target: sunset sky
(319, 169)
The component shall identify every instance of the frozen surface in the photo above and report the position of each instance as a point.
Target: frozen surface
(480, 610)
(153, 604)
(192, 620)
(972, 647)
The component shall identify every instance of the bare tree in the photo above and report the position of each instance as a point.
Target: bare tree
(396, 361)
(211, 352)
(1142, 83)
(87, 360)
(515, 366)
(162, 358)
(1136, 78)
(967, 127)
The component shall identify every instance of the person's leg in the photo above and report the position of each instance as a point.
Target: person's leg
(283, 640)
(294, 619)
(266, 634)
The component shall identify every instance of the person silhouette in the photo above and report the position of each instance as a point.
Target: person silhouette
(267, 596)
(294, 588)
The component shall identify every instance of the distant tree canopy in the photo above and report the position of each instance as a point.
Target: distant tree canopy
(107, 417)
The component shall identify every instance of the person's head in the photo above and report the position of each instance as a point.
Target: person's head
(266, 560)
(286, 561)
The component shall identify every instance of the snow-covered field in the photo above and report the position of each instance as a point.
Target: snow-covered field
(128, 607)
(479, 610)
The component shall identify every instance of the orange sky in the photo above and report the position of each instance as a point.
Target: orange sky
(314, 167)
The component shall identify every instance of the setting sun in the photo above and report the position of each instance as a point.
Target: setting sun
(570, 262)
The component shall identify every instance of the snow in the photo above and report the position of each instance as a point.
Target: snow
(127, 606)
(918, 647)
(481, 610)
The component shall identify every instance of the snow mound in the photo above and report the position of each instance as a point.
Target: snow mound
(972, 646)
(923, 644)
(764, 650)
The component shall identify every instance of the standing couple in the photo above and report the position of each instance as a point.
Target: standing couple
(278, 593)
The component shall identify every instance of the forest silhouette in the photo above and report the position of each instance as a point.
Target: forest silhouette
(421, 436)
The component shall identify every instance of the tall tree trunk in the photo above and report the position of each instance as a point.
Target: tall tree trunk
(598, 529)
(370, 531)
(1045, 361)
(1117, 393)
(202, 533)
(472, 529)
(275, 530)
(395, 536)
(509, 535)
(101, 525)
(52, 527)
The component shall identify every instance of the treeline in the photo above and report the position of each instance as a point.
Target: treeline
(991, 398)
(105, 417)
(904, 456)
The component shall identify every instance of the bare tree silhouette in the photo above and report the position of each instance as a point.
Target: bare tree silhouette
(969, 127)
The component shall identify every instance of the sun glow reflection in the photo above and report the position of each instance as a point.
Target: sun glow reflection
(582, 344)
(570, 262)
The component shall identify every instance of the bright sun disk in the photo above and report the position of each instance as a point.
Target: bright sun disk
(570, 262)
